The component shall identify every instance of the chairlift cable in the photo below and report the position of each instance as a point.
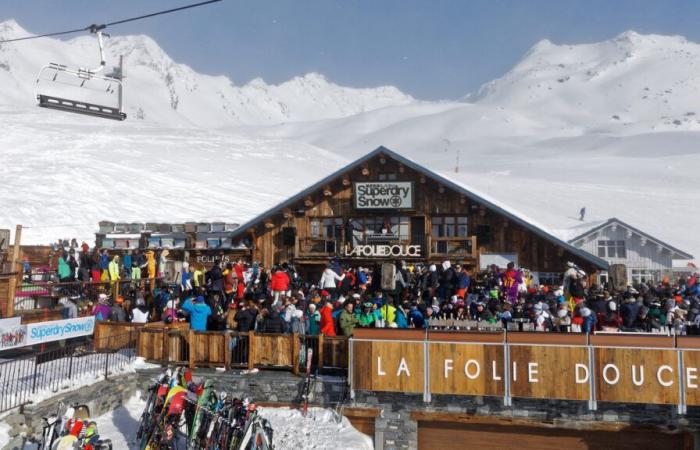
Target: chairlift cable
(118, 22)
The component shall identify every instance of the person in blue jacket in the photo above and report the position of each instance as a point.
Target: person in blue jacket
(199, 312)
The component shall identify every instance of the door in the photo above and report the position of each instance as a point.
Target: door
(418, 233)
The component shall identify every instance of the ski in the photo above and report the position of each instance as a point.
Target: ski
(306, 389)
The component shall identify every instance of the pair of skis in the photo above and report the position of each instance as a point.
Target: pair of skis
(306, 388)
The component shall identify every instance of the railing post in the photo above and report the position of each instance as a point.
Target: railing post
(227, 350)
(36, 370)
(251, 350)
(592, 402)
(351, 374)
(320, 351)
(106, 364)
(507, 398)
(296, 349)
(192, 349)
(426, 371)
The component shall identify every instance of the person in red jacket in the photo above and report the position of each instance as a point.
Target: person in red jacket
(327, 323)
(279, 284)
(240, 291)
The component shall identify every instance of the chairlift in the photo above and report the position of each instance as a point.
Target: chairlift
(84, 79)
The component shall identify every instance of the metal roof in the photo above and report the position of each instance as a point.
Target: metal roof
(612, 220)
(381, 150)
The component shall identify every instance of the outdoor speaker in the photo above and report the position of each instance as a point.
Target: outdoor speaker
(483, 235)
(618, 276)
(289, 235)
(388, 276)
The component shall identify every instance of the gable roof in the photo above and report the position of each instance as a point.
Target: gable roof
(468, 192)
(607, 223)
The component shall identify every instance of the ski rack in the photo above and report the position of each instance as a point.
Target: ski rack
(79, 107)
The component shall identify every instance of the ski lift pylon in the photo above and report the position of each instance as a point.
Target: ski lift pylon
(83, 75)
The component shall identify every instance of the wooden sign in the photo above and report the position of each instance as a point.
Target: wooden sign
(632, 375)
(549, 372)
(466, 369)
(388, 366)
(619, 369)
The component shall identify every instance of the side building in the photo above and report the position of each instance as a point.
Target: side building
(645, 257)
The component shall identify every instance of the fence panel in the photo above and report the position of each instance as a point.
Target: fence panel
(82, 361)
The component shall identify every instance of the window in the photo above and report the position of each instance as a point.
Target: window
(449, 227)
(327, 228)
(612, 249)
(549, 278)
(387, 177)
(640, 275)
(603, 278)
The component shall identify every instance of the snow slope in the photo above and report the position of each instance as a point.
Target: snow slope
(65, 176)
(177, 95)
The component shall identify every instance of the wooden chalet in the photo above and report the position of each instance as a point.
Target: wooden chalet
(385, 207)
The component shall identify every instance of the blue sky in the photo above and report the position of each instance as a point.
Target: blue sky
(431, 49)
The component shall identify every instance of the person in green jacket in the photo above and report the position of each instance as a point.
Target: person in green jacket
(369, 317)
(63, 269)
(347, 319)
(313, 319)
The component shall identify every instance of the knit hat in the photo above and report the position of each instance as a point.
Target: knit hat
(199, 299)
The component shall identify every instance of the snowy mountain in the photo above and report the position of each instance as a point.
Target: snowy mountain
(642, 82)
(177, 95)
(610, 126)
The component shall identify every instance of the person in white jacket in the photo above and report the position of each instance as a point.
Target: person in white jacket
(328, 280)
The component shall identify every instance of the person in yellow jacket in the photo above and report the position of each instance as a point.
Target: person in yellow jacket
(114, 269)
(151, 264)
(388, 312)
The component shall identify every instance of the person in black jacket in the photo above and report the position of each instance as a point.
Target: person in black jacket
(245, 318)
(273, 323)
(215, 278)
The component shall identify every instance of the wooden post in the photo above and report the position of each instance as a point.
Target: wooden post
(227, 351)
(12, 288)
(192, 347)
(164, 349)
(251, 350)
(296, 348)
(320, 351)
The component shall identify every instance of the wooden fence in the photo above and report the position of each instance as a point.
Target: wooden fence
(177, 344)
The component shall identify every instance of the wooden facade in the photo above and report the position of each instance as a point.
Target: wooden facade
(323, 222)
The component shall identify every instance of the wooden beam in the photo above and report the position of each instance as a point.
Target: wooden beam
(431, 416)
(12, 288)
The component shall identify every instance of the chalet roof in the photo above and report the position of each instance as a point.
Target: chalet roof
(462, 189)
(613, 220)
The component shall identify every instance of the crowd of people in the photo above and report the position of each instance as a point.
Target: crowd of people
(249, 297)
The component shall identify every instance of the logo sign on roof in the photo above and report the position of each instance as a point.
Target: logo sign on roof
(384, 195)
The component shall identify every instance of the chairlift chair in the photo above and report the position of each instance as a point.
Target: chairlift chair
(83, 77)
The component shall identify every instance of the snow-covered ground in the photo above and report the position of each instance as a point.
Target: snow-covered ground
(319, 430)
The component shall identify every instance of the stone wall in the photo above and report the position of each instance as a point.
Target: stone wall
(394, 428)
(26, 423)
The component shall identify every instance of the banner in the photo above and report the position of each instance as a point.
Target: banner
(13, 336)
(383, 195)
(56, 330)
(10, 322)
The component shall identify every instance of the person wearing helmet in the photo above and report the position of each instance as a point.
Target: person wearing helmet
(117, 313)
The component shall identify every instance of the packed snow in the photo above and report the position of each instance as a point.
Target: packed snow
(319, 430)
(611, 126)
